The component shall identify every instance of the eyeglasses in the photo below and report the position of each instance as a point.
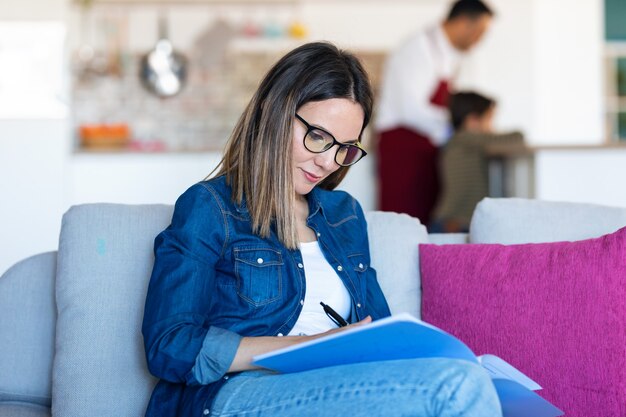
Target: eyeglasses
(318, 140)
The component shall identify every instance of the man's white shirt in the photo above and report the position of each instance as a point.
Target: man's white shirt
(411, 76)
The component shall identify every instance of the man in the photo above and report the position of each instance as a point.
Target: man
(412, 117)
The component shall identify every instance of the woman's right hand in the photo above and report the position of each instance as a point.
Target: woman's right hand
(253, 346)
(366, 320)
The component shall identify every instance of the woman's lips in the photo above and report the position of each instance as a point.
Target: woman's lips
(310, 177)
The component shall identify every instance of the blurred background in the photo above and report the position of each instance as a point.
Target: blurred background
(78, 125)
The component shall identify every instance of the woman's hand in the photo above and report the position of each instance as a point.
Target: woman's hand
(366, 320)
(253, 346)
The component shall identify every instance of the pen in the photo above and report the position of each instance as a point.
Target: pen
(333, 315)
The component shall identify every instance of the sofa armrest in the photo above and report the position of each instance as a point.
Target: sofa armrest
(23, 410)
(27, 329)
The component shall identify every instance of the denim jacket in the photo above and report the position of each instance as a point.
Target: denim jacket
(214, 282)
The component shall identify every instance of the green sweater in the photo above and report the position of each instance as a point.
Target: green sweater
(464, 172)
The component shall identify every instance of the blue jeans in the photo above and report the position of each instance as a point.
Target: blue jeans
(411, 387)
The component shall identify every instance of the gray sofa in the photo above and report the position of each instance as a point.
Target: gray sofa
(70, 340)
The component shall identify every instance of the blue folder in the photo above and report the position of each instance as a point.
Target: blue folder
(399, 337)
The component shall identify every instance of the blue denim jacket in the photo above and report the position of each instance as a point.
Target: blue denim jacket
(214, 282)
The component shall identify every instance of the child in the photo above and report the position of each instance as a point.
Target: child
(464, 160)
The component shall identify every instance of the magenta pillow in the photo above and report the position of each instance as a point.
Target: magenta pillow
(556, 311)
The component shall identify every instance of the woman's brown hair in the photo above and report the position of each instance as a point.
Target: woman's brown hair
(257, 161)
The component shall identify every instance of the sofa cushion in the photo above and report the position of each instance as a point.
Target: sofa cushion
(556, 311)
(517, 220)
(394, 240)
(27, 321)
(104, 265)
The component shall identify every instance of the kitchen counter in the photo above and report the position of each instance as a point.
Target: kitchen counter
(119, 176)
(578, 173)
(504, 150)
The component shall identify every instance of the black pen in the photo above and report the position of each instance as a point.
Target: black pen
(334, 316)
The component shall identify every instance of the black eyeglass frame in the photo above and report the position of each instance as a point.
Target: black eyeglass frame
(309, 128)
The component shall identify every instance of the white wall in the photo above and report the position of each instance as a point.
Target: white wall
(501, 65)
(587, 176)
(33, 9)
(370, 24)
(567, 41)
(32, 164)
(542, 60)
(34, 145)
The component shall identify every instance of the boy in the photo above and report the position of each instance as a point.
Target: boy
(464, 160)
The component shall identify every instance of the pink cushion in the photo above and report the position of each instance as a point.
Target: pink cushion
(556, 311)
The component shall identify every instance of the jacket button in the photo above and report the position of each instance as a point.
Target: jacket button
(279, 335)
(340, 268)
(301, 302)
(358, 305)
(259, 261)
(206, 412)
(361, 266)
(319, 234)
(300, 265)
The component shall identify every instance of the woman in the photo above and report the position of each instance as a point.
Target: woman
(229, 277)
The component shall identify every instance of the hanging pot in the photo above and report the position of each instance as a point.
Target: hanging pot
(163, 71)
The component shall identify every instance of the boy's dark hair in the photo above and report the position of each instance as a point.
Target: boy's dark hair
(465, 103)
(469, 8)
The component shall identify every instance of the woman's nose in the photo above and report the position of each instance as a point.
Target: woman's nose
(326, 159)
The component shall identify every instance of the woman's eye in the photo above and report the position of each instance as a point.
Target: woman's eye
(318, 135)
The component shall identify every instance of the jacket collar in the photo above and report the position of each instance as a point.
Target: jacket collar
(313, 198)
(315, 203)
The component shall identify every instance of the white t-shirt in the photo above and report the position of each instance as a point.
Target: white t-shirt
(322, 285)
(410, 77)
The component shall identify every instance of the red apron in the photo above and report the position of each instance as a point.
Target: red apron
(408, 167)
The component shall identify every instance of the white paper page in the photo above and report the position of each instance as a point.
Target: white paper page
(499, 368)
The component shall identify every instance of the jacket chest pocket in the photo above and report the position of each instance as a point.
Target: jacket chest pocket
(259, 274)
(358, 263)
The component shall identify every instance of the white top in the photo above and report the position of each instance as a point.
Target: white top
(411, 76)
(322, 284)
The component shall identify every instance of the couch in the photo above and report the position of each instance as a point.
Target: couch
(70, 340)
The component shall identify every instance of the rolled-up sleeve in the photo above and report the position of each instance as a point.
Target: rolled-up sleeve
(181, 345)
(216, 355)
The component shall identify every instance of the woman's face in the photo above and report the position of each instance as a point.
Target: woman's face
(340, 117)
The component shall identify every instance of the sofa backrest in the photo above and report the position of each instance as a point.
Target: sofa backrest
(517, 220)
(394, 240)
(103, 268)
(104, 263)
